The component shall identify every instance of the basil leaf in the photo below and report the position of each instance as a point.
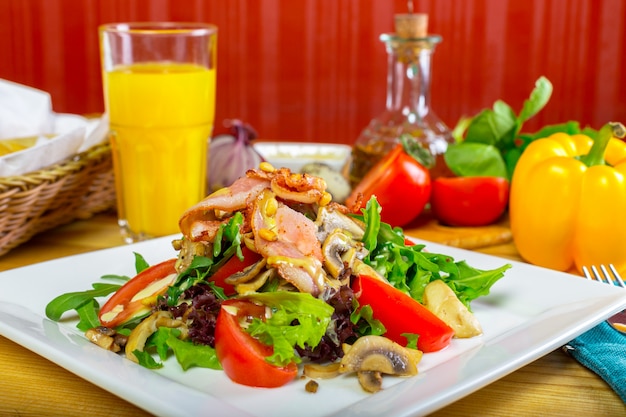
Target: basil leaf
(490, 126)
(500, 128)
(539, 97)
(475, 159)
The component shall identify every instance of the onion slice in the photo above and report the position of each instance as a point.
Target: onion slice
(319, 371)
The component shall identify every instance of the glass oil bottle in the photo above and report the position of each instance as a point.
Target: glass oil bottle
(407, 109)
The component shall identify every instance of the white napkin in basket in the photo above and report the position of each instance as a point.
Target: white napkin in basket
(26, 111)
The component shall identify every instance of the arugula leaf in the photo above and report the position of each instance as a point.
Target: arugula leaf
(146, 360)
(364, 318)
(229, 233)
(227, 243)
(471, 282)
(410, 268)
(140, 263)
(371, 216)
(88, 315)
(411, 340)
(113, 277)
(297, 319)
(74, 300)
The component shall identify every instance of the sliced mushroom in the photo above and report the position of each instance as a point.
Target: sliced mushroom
(337, 244)
(370, 381)
(187, 250)
(328, 220)
(442, 301)
(139, 335)
(248, 274)
(256, 283)
(105, 338)
(379, 354)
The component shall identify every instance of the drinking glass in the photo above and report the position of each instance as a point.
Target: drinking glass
(159, 91)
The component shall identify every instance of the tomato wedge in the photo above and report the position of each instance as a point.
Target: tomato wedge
(136, 297)
(400, 313)
(232, 266)
(243, 357)
(401, 185)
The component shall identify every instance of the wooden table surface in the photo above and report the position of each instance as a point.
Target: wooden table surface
(555, 385)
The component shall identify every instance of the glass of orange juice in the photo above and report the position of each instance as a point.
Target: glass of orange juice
(159, 92)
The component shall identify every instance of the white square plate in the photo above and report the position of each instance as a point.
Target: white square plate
(530, 312)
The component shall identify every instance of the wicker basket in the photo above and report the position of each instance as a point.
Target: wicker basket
(76, 188)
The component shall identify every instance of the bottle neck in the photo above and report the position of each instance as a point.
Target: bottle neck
(409, 76)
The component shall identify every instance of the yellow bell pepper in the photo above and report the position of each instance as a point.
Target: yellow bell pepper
(568, 201)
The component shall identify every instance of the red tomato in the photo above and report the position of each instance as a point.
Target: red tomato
(469, 201)
(243, 357)
(234, 265)
(401, 186)
(128, 302)
(400, 313)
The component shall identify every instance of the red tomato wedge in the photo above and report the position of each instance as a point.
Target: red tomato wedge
(469, 201)
(401, 185)
(243, 357)
(400, 313)
(136, 297)
(232, 266)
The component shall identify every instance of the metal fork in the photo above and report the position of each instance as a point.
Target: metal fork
(617, 321)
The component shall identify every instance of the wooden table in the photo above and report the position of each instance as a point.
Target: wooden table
(30, 385)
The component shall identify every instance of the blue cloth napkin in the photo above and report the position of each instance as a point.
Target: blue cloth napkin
(603, 350)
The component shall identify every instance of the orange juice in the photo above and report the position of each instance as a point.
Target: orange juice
(161, 116)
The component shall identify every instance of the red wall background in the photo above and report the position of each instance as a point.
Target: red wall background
(314, 70)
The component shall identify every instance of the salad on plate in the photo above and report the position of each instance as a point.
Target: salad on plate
(273, 280)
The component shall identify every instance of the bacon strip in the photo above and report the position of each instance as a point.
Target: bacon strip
(294, 249)
(200, 222)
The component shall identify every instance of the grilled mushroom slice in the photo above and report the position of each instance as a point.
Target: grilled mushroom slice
(106, 338)
(139, 335)
(370, 381)
(248, 274)
(336, 245)
(329, 220)
(443, 302)
(188, 250)
(377, 354)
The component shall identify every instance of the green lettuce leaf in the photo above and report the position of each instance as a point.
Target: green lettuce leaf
(297, 319)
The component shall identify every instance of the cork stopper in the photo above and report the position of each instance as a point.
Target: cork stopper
(411, 25)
